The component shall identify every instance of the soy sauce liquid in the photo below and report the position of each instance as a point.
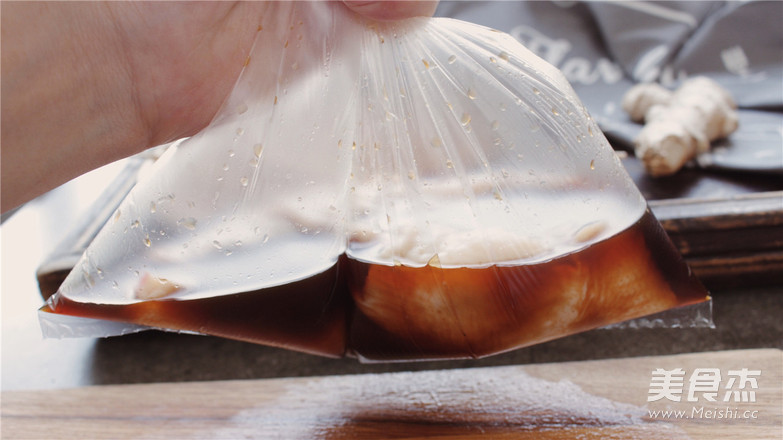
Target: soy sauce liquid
(486, 311)
(342, 311)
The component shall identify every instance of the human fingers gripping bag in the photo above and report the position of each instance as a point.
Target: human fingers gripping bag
(421, 189)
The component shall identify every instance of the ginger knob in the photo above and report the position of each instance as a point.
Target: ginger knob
(681, 124)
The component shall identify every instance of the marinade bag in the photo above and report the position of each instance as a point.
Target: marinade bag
(412, 190)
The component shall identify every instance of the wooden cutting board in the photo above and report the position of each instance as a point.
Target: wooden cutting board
(605, 399)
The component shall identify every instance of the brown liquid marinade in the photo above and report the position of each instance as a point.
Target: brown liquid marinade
(383, 313)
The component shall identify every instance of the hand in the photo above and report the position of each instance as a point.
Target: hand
(85, 84)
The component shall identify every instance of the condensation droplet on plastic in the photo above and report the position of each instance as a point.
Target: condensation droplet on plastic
(411, 175)
(253, 162)
(241, 108)
(434, 262)
(452, 59)
(436, 142)
(187, 223)
(258, 149)
(465, 119)
(505, 173)
(147, 241)
(243, 181)
(493, 60)
(225, 167)
(503, 56)
(265, 239)
(502, 107)
(117, 215)
(449, 163)
(240, 131)
(426, 63)
(496, 194)
(590, 130)
(592, 164)
(555, 112)
(88, 279)
(536, 91)
(153, 207)
(471, 93)
(216, 244)
(495, 125)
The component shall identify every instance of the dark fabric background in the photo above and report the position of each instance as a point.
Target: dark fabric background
(604, 48)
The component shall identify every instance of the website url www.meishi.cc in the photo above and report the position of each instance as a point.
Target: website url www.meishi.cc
(701, 412)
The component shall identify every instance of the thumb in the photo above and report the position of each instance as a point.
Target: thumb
(392, 9)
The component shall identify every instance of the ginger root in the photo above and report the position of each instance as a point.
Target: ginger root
(681, 124)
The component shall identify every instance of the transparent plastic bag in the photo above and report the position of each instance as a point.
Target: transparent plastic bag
(412, 190)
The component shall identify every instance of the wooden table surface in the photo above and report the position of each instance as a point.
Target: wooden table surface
(606, 399)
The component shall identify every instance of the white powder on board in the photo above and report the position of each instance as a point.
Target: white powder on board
(476, 399)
